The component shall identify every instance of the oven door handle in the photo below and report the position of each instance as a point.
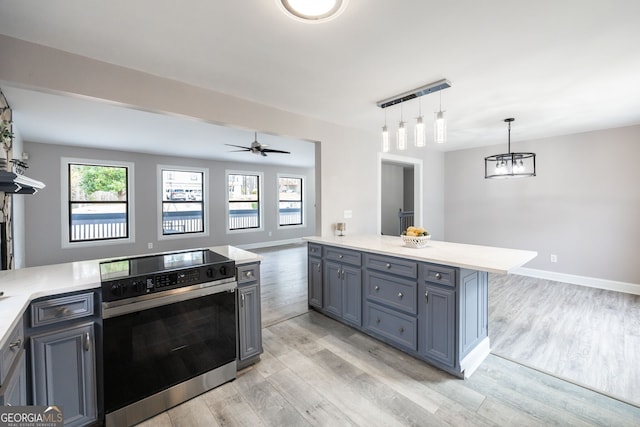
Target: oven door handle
(173, 296)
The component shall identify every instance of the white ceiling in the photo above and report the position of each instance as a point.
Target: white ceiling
(558, 67)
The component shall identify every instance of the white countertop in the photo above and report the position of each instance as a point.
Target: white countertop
(22, 286)
(474, 257)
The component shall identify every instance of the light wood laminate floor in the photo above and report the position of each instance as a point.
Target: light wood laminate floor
(316, 371)
(586, 335)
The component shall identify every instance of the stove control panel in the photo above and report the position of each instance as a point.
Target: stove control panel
(133, 286)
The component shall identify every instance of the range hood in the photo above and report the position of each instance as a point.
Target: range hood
(14, 183)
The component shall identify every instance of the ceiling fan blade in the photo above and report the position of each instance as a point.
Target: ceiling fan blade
(269, 150)
(262, 153)
(239, 146)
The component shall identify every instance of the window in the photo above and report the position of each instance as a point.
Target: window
(98, 207)
(244, 201)
(182, 200)
(289, 201)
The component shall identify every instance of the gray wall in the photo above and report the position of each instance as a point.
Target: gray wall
(391, 197)
(584, 205)
(43, 210)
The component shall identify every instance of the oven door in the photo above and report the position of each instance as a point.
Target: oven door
(155, 344)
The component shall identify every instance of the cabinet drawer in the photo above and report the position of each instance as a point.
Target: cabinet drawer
(61, 309)
(396, 327)
(314, 249)
(248, 273)
(439, 274)
(395, 292)
(10, 350)
(342, 255)
(392, 265)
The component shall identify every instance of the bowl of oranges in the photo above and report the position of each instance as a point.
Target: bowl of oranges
(415, 237)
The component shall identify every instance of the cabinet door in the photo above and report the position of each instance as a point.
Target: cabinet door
(352, 295)
(14, 391)
(437, 324)
(315, 282)
(249, 319)
(332, 288)
(64, 372)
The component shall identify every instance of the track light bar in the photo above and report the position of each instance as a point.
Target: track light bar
(413, 94)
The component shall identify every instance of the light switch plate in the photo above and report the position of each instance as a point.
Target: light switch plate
(347, 214)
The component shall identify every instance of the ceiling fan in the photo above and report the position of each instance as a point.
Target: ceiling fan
(257, 148)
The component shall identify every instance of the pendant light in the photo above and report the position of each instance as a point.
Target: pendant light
(440, 126)
(402, 134)
(510, 165)
(385, 135)
(420, 137)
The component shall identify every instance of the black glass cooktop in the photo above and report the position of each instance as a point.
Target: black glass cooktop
(152, 264)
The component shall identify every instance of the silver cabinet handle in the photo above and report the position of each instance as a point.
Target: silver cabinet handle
(401, 330)
(340, 256)
(248, 274)
(241, 300)
(438, 276)
(63, 311)
(388, 265)
(377, 288)
(318, 267)
(378, 320)
(400, 295)
(15, 345)
(87, 341)
(426, 295)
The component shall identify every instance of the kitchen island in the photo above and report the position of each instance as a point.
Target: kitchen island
(429, 302)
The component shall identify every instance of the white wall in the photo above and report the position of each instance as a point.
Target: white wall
(44, 213)
(342, 188)
(583, 205)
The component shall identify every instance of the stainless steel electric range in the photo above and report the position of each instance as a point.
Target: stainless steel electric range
(169, 331)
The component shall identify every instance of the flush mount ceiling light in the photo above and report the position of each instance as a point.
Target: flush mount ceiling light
(510, 165)
(313, 10)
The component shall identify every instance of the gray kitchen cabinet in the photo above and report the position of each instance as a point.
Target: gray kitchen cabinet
(13, 374)
(435, 312)
(249, 315)
(342, 291)
(437, 326)
(314, 274)
(64, 372)
(62, 351)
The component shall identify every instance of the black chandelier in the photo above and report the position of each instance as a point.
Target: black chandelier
(510, 165)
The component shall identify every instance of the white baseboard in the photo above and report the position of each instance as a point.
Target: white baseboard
(472, 361)
(269, 244)
(592, 282)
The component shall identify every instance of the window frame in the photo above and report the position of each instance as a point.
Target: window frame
(260, 176)
(303, 215)
(65, 202)
(205, 210)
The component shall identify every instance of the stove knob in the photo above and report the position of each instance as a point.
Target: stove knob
(210, 273)
(117, 289)
(137, 287)
(223, 270)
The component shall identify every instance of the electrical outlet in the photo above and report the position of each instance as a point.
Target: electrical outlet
(554, 258)
(347, 214)
(149, 245)
(269, 234)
